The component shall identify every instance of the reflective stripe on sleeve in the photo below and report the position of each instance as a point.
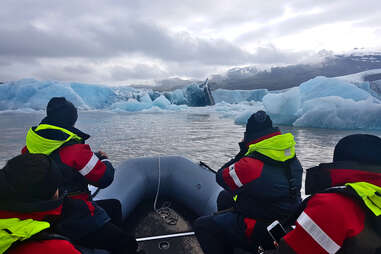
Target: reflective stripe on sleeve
(89, 166)
(317, 233)
(234, 176)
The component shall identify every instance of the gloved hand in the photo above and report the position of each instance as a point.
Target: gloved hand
(101, 155)
(242, 149)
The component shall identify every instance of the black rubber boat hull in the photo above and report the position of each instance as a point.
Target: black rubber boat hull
(190, 189)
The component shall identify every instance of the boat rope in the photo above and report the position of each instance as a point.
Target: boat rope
(165, 212)
(158, 186)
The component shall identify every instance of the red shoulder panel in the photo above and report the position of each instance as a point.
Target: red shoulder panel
(339, 217)
(242, 172)
(248, 169)
(80, 157)
(342, 176)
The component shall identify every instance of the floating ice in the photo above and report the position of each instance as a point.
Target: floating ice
(96, 97)
(196, 95)
(145, 99)
(177, 97)
(320, 102)
(322, 87)
(131, 105)
(339, 113)
(161, 102)
(283, 106)
(237, 96)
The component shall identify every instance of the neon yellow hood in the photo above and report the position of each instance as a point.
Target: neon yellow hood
(38, 144)
(14, 229)
(279, 148)
(370, 195)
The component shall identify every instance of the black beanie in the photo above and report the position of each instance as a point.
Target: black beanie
(32, 177)
(361, 148)
(61, 111)
(258, 121)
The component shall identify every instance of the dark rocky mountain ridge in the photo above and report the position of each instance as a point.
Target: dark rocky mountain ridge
(277, 78)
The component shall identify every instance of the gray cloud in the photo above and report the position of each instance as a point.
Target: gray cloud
(331, 12)
(5, 63)
(140, 71)
(78, 69)
(68, 74)
(120, 37)
(78, 40)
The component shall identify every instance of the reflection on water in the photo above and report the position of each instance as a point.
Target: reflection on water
(205, 137)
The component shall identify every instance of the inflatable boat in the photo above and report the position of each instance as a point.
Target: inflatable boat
(160, 197)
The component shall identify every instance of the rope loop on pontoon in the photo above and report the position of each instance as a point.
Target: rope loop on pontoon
(165, 212)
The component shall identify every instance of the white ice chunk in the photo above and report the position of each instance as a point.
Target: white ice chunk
(161, 102)
(322, 87)
(282, 107)
(337, 113)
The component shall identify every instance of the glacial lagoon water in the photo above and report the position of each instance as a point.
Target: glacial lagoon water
(206, 136)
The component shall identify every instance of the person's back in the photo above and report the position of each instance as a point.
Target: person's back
(265, 180)
(94, 224)
(57, 137)
(343, 215)
(29, 205)
(267, 186)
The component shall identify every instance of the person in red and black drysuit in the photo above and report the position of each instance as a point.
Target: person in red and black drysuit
(262, 184)
(343, 215)
(30, 207)
(33, 217)
(57, 137)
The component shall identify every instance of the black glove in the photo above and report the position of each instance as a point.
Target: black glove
(100, 156)
(242, 149)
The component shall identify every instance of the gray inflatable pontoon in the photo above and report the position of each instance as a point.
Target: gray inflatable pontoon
(143, 184)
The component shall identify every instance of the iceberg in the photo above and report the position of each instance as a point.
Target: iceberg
(145, 99)
(339, 113)
(176, 97)
(161, 102)
(198, 95)
(29, 93)
(283, 106)
(321, 102)
(95, 97)
(131, 105)
(237, 96)
(322, 87)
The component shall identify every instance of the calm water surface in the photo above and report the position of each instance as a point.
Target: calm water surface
(206, 136)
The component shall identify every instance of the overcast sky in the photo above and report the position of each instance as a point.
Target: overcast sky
(125, 41)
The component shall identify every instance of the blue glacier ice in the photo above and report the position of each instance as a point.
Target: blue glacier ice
(283, 106)
(145, 99)
(161, 102)
(324, 103)
(337, 113)
(96, 97)
(176, 97)
(339, 103)
(237, 96)
(195, 95)
(322, 87)
(131, 105)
